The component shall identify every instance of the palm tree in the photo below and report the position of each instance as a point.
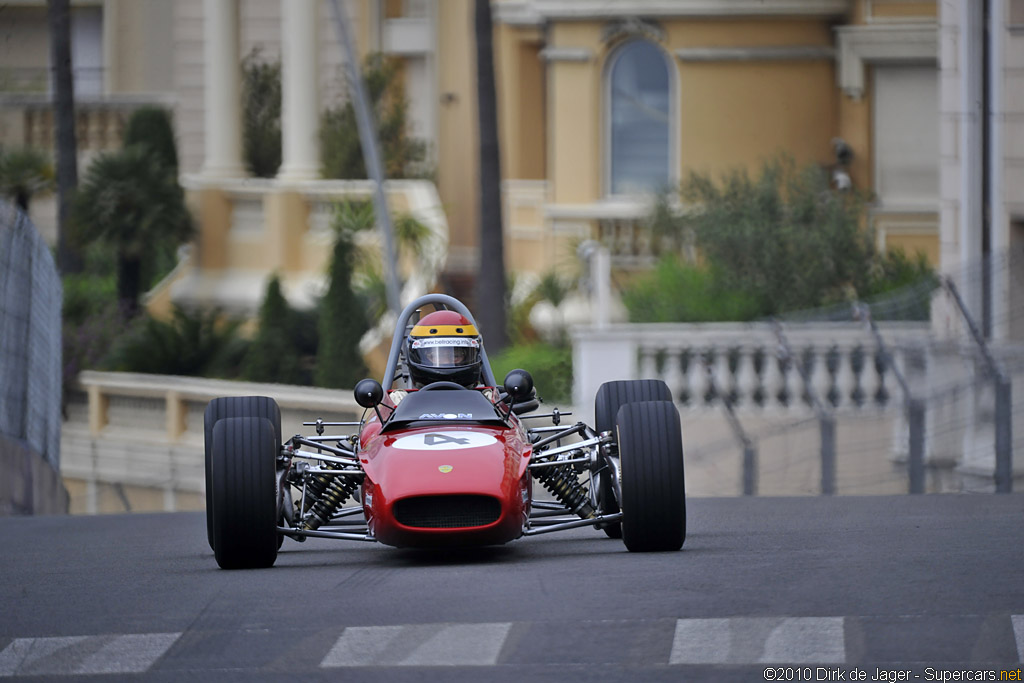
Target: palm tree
(59, 14)
(24, 172)
(491, 278)
(132, 203)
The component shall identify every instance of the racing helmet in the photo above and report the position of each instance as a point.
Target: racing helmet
(444, 346)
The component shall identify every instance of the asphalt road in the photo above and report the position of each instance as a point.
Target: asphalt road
(809, 589)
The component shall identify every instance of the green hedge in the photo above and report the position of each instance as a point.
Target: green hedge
(551, 367)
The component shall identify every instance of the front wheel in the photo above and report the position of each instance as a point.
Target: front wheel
(610, 397)
(651, 460)
(245, 500)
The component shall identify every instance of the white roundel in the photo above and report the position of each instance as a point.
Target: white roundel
(443, 440)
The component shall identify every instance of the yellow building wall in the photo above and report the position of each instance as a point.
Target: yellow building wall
(457, 167)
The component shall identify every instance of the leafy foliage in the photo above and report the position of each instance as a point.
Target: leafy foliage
(785, 238)
(24, 172)
(261, 115)
(679, 292)
(782, 241)
(191, 343)
(342, 322)
(151, 127)
(133, 203)
(341, 152)
(551, 367)
(272, 355)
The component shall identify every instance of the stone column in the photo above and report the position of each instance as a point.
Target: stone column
(222, 76)
(300, 108)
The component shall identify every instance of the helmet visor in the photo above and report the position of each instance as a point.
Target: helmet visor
(446, 352)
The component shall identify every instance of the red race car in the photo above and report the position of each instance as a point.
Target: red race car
(444, 457)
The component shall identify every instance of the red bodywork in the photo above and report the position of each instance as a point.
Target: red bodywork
(445, 484)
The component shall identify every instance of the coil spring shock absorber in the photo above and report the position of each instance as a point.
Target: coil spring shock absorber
(566, 487)
(322, 504)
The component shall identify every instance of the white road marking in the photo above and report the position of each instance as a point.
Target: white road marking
(763, 640)
(419, 645)
(133, 653)
(73, 655)
(361, 645)
(1018, 633)
(461, 645)
(24, 653)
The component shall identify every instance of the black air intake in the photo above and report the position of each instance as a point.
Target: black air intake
(447, 512)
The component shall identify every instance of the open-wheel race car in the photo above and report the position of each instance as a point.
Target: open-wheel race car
(444, 457)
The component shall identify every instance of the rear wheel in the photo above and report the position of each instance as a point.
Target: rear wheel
(610, 397)
(244, 478)
(653, 494)
(233, 406)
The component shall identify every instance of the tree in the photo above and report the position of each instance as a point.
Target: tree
(151, 126)
(24, 172)
(491, 302)
(784, 238)
(131, 203)
(59, 15)
(261, 115)
(273, 356)
(342, 321)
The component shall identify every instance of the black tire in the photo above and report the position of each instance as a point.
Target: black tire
(610, 397)
(244, 492)
(233, 406)
(653, 489)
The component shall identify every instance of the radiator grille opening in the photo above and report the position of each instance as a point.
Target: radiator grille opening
(447, 512)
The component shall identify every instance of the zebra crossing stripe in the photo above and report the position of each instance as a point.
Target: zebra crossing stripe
(760, 640)
(1018, 634)
(77, 655)
(419, 645)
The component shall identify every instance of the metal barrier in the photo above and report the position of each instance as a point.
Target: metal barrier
(30, 357)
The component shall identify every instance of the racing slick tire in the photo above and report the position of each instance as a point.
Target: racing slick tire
(610, 397)
(234, 406)
(244, 478)
(653, 493)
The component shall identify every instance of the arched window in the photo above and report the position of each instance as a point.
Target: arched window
(639, 115)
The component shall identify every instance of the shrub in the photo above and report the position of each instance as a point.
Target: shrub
(197, 344)
(678, 292)
(341, 151)
(342, 323)
(551, 367)
(785, 238)
(273, 355)
(261, 115)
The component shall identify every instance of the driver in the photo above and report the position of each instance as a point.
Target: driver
(444, 346)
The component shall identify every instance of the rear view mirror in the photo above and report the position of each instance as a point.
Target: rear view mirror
(519, 385)
(369, 393)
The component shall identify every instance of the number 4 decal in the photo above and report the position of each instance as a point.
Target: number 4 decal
(441, 439)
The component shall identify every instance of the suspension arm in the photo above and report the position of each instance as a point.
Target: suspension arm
(574, 524)
(351, 462)
(303, 441)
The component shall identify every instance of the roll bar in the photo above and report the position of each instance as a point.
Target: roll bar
(446, 301)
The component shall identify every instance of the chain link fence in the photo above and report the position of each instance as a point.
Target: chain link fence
(30, 351)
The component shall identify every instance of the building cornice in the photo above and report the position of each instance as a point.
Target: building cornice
(858, 45)
(761, 53)
(536, 12)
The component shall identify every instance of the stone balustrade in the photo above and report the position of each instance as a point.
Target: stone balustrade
(747, 364)
(145, 434)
